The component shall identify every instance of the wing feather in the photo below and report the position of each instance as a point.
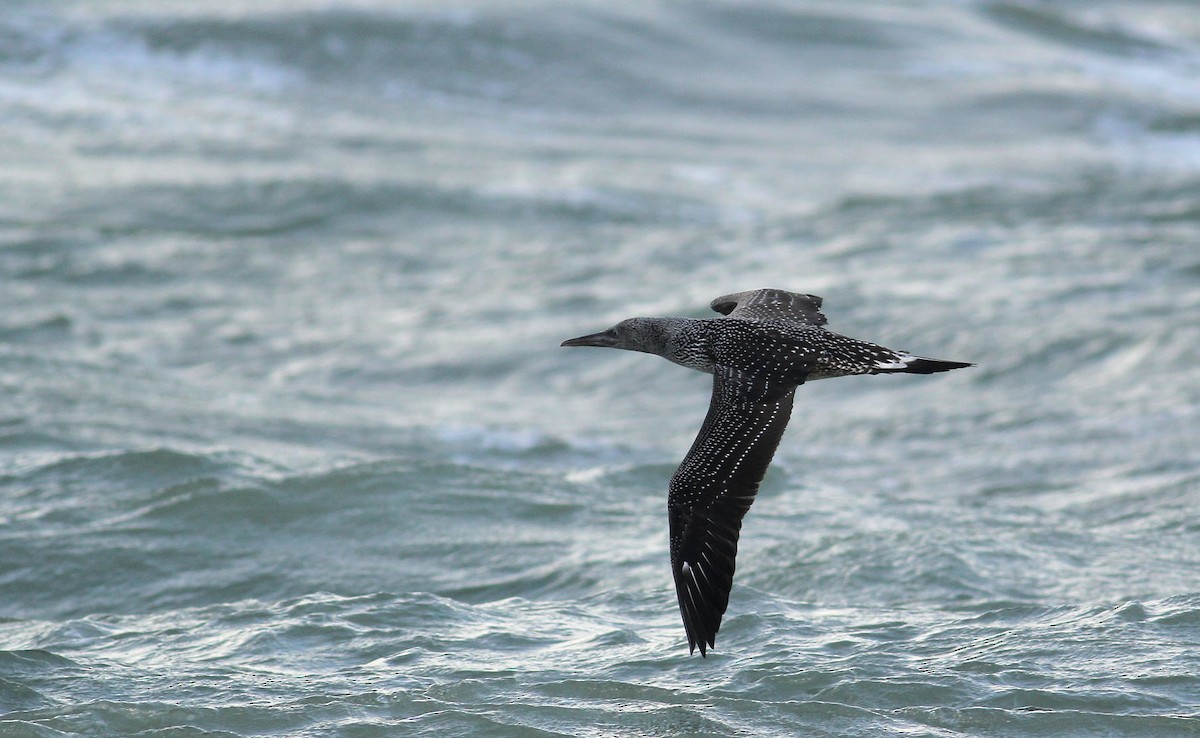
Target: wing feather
(771, 304)
(712, 490)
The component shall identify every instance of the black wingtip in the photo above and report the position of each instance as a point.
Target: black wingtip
(699, 633)
(699, 640)
(933, 366)
(723, 306)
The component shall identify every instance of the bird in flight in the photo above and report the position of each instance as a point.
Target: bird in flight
(767, 343)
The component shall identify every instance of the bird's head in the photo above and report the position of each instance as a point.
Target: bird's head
(633, 334)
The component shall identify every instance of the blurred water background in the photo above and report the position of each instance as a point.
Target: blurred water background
(288, 446)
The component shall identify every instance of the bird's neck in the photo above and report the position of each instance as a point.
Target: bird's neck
(685, 342)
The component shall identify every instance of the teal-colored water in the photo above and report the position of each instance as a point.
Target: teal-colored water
(288, 446)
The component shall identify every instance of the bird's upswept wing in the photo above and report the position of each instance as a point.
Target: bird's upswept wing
(714, 487)
(769, 304)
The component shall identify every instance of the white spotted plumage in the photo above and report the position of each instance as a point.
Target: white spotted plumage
(768, 343)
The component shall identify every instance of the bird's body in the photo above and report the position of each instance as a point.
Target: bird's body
(767, 344)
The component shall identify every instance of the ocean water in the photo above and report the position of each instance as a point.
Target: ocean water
(288, 446)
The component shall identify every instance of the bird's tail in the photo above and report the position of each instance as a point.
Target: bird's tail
(909, 364)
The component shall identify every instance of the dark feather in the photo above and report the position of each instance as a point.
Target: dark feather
(769, 304)
(711, 492)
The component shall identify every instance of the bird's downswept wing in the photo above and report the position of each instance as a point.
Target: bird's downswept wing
(769, 304)
(712, 490)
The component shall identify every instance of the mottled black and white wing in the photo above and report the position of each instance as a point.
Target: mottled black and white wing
(712, 490)
(769, 304)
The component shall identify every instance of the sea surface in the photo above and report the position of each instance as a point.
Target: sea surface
(288, 445)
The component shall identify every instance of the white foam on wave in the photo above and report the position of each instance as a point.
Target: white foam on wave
(492, 439)
(113, 80)
(1136, 145)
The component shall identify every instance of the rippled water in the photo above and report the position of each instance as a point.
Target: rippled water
(288, 446)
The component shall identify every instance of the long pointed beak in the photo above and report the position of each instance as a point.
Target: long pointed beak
(602, 339)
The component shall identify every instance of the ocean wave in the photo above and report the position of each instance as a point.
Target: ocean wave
(1098, 32)
(292, 447)
(179, 528)
(395, 658)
